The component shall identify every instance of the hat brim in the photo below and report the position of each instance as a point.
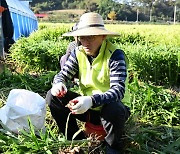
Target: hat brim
(91, 31)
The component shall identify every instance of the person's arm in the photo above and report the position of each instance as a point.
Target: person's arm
(118, 74)
(68, 71)
(71, 47)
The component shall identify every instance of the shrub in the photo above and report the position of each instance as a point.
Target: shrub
(41, 51)
(156, 60)
(156, 64)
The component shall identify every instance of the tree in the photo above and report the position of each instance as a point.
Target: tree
(105, 7)
(112, 15)
(135, 6)
(159, 9)
(91, 6)
(150, 5)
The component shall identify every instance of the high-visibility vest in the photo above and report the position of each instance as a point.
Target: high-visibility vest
(95, 78)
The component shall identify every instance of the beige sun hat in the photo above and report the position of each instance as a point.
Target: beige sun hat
(91, 24)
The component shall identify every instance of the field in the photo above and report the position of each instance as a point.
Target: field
(154, 84)
(63, 16)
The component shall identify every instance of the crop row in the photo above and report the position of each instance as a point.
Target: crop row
(157, 61)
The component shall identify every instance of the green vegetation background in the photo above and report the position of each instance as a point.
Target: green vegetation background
(154, 11)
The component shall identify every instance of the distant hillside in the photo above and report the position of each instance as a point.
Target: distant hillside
(65, 16)
(48, 5)
(72, 11)
(158, 11)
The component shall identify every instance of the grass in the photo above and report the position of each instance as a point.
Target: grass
(152, 128)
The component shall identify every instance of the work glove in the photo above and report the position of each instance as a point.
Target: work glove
(59, 90)
(82, 105)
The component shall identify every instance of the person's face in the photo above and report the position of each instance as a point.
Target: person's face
(91, 44)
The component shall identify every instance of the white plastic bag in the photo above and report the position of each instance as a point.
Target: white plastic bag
(21, 105)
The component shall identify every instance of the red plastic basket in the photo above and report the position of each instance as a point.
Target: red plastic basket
(98, 130)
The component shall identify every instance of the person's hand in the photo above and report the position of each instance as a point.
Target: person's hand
(83, 103)
(58, 89)
(71, 103)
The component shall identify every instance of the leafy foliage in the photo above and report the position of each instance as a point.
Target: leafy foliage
(152, 127)
(156, 64)
(40, 51)
(154, 60)
(112, 15)
(38, 83)
(154, 104)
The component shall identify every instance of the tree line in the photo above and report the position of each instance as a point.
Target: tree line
(124, 10)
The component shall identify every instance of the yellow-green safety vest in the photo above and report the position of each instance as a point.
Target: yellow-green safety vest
(95, 78)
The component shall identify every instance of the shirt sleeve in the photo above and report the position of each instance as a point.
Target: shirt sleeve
(68, 71)
(71, 47)
(118, 74)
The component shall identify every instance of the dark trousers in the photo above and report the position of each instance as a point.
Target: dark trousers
(112, 116)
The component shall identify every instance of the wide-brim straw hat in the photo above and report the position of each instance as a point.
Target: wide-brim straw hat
(91, 24)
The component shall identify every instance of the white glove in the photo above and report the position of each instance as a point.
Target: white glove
(59, 89)
(83, 104)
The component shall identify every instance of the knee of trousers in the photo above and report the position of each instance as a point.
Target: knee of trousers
(114, 112)
(49, 97)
